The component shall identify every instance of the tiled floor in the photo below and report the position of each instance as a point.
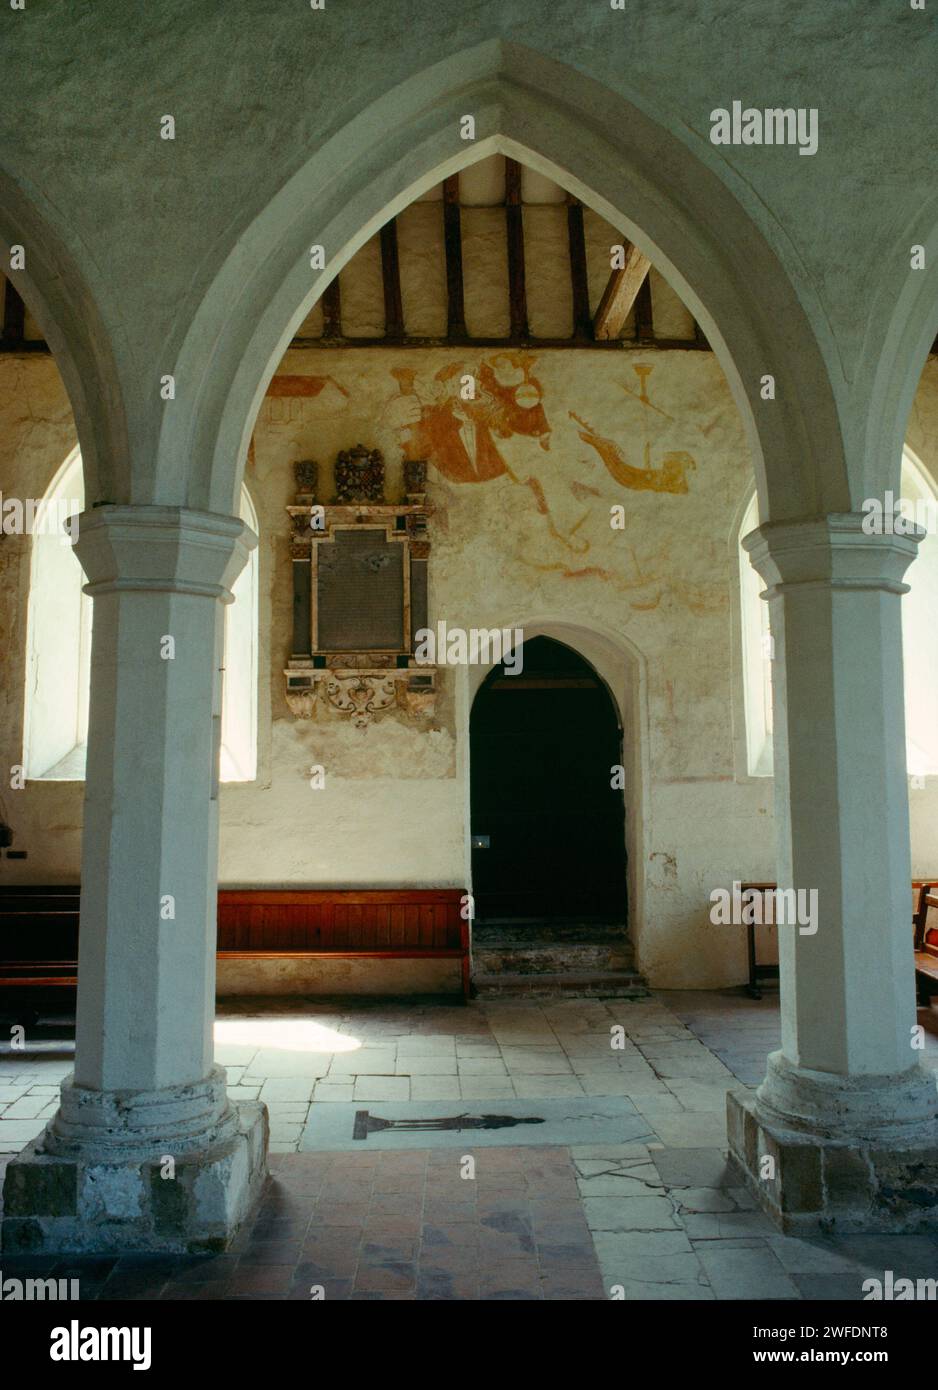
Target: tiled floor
(661, 1219)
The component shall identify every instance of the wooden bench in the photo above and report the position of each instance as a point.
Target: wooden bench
(925, 923)
(38, 936)
(39, 930)
(759, 973)
(328, 925)
(924, 937)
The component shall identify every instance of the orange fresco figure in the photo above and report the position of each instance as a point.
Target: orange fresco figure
(670, 477)
(459, 436)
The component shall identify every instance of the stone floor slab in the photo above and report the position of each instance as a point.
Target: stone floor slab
(613, 1120)
(691, 1131)
(408, 1223)
(753, 1273)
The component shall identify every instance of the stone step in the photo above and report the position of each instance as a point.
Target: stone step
(603, 984)
(537, 932)
(552, 957)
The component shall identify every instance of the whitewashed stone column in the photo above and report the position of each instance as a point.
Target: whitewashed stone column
(846, 1114)
(144, 1087)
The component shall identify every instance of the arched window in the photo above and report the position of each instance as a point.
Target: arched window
(919, 616)
(239, 689)
(757, 655)
(58, 648)
(58, 638)
(919, 650)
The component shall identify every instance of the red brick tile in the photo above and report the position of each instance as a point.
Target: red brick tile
(390, 1278)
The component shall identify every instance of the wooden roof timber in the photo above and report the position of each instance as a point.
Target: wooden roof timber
(514, 233)
(452, 245)
(620, 294)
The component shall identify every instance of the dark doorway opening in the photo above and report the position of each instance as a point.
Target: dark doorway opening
(548, 828)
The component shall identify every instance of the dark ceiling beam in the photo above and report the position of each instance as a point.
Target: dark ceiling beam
(332, 310)
(14, 314)
(452, 245)
(514, 227)
(579, 278)
(534, 344)
(391, 279)
(644, 314)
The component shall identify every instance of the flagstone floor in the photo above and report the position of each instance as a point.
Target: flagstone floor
(664, 1218)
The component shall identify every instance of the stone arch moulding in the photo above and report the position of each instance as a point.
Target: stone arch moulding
(704, 236)
(900, 332)
(57, 290)
(622, 668)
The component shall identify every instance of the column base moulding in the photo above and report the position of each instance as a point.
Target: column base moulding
(176, 1171)
(816, 1175)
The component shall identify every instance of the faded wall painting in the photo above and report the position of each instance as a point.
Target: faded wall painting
(464, 436)
(467, 437)
(557, 438)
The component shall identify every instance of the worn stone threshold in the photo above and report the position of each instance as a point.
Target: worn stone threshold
(609, 984)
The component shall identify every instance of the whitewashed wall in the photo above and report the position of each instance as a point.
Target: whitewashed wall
(653, 605)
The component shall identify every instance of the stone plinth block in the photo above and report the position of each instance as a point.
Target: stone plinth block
(813, 1182)
(98, 1196)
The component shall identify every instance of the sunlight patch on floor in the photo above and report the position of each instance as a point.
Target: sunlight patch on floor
(289, 1034)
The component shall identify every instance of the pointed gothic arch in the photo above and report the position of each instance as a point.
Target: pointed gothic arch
(545, 755)
(61, 286)
(615, 155)
(621, 667)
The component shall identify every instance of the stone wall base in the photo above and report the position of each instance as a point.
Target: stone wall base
(57, 1203)
(322, 976)
(828, 1185)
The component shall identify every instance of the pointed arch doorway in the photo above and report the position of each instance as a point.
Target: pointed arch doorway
(548, 828)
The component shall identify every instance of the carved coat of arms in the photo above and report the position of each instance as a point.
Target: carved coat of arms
(359, 475)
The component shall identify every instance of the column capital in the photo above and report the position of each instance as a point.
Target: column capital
(162, 549)
(830, 552)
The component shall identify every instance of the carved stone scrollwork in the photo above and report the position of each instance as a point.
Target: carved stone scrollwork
(361, 696)
(364, 695)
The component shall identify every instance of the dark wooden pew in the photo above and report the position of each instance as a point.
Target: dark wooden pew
(39, 929)
(350, 923)
(925, 922)
(760, 973)
(925, 941)
(38, 936)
